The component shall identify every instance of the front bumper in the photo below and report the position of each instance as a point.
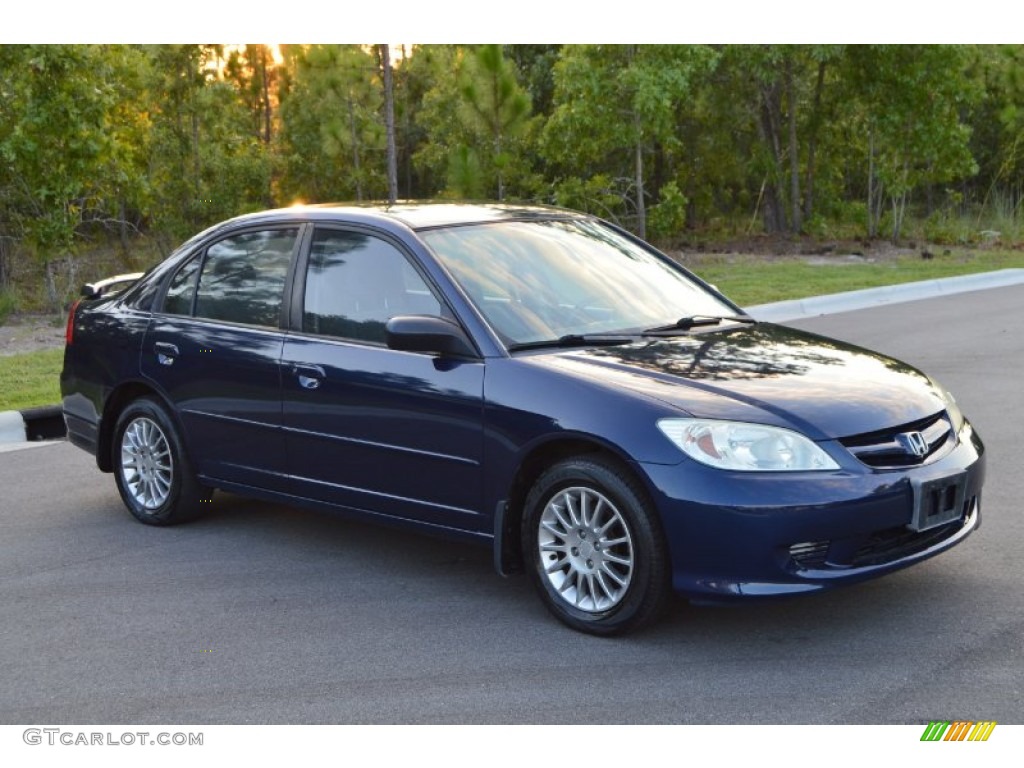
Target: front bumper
(738, 534)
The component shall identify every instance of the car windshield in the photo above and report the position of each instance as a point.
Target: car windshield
(537, 281)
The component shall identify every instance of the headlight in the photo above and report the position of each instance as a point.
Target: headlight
(745, 447)
(951, 407)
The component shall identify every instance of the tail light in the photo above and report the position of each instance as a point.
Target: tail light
(69, 331)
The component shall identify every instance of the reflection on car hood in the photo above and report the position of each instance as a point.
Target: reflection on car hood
(764, 373)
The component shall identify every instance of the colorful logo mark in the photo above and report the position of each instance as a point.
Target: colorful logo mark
(958, 730)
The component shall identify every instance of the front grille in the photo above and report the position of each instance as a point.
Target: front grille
(890, 448)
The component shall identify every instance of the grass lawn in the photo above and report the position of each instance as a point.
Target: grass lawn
(750, 280)
(32, 378)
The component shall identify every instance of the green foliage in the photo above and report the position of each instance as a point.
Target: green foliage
(333, 142)
(72, 141)
(477, 122)
(8, 302)
(252, 72)
(668, 217)
(535, 65)
(596, 194)
(909, 104)
(103, 142)
(205, 162)
(54, 103)
(997, 121)
(465, 174)
(491, 96)
(494, 109)
(615, 105)
(773, 139)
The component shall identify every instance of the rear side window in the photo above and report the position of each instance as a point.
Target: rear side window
(182, 290)
(242, 278)
(355, 283)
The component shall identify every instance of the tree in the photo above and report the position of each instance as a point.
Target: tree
(911, 98)
(251, 69)
(782, 98)
(997, 123)
(207, 163)
(102, 141)
(477, 123)
(614, 107)
(494, 104)
(333, 141)
(63, 147)
(535, 65)
(389, 120)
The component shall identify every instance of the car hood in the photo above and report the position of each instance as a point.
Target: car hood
(766, 374)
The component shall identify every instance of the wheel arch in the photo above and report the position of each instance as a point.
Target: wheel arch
(116, 402)
(508, 554)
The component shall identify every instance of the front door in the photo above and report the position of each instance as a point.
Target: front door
(393, 433)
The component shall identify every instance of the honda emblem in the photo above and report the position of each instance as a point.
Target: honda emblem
(913, 443)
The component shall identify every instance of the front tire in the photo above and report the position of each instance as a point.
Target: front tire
(594, 547)
(153, 474)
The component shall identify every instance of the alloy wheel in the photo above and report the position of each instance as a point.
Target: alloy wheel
(146, 464)
(586, 549)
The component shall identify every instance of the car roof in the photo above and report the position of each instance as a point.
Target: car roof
(415, 215)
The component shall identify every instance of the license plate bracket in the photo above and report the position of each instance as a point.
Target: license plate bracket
(938, 501)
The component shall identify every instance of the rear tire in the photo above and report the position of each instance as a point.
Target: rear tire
(594, 547)
(151, 467)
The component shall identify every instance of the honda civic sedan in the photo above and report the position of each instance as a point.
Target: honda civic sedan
(532, 379)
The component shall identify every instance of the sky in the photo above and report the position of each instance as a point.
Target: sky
(520, 21)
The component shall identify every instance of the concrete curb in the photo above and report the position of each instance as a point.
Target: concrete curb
(32, 424)
(781, 311)
(12, 427)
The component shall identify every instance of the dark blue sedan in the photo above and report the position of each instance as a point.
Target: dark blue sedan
(530, 378)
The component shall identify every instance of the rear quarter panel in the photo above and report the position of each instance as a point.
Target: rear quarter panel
(104, 354)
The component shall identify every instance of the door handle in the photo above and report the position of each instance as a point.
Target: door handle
(165, 352)
(309, 376)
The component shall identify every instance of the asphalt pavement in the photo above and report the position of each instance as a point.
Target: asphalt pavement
(261, 613)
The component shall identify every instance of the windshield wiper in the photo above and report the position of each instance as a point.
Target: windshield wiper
(576, 340)
(694, 321)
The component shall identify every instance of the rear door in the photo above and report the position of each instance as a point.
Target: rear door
(215, 352)
(394, 433)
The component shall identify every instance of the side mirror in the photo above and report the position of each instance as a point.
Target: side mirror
(427, 333)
